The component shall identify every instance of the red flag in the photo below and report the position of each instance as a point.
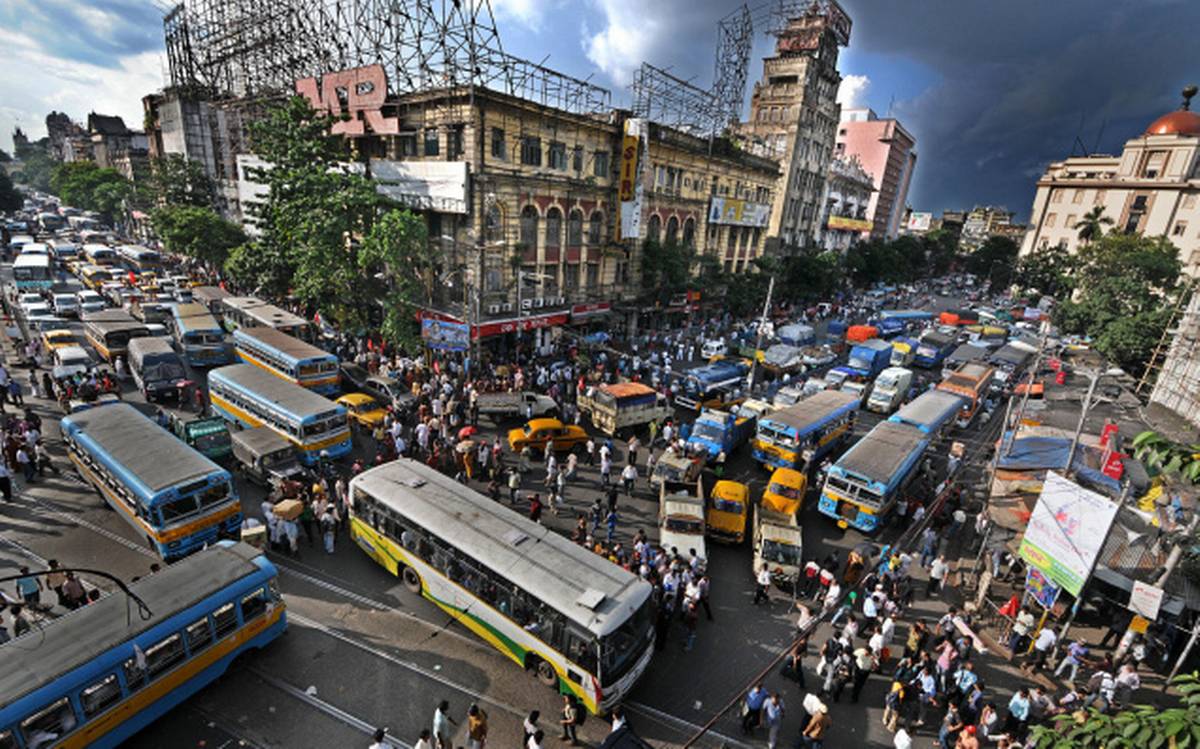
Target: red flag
(132, 279)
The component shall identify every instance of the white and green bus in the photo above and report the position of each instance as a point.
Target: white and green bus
(577, 621)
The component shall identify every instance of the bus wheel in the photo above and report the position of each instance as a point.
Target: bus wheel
(411, 579)
(545, 672)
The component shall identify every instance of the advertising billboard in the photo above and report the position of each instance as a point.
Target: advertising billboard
(919, 221)
(1066, 532)
(630, 186)
(738, 212)
(443, 335)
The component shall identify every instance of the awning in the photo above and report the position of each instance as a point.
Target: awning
(592, 309)
(501, 327)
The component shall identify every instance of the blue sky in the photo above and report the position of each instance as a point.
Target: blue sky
(991, 90)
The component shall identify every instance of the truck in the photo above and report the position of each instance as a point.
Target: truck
(681, 517)
(869, 358)
(675, 468)
(903, 351)
(623, 406)
(778, 541)
(783, 359)
(711, 382)
(891, 387)
(971, 381)
(797, 334)
(715, 432)
(525, 405)
(932, 349)
(838, 376)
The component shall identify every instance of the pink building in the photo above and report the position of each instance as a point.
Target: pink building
(888, 153)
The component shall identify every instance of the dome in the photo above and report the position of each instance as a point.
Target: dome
(1179, 122)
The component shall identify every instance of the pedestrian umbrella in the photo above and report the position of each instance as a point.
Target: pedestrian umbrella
(467, 431)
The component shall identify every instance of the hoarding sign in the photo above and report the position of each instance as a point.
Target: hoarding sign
(443, 335)
(1042, 590)
(920, 221)
(630, 187)
(364, 89)
(1145, 600)
(738, 212)
(424, 185)
(1066, 532)
(854, 224)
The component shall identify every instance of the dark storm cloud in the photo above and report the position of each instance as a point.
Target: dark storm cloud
(1019, 80)
(98, 32)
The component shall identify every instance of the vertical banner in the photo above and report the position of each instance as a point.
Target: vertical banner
(630, 186)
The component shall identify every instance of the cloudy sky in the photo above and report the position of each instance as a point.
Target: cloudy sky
(992, 90)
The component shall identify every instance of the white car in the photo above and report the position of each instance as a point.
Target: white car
(70, 360)
(713, 348)
(40, 317)
(27, 299)
(90, 301)
(65, 305)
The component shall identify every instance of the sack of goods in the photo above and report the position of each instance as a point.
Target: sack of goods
(288, 509)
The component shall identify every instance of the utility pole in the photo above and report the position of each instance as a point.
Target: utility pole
(1037, 362)
(762, 323)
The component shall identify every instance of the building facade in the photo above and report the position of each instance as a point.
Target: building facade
(888, 152)
(848, 192)
(982, 222)
(794, 118)
(115, 146)
(1151, 188)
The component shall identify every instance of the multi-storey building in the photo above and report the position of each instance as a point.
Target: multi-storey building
(794, 117)
(848, 193)
(982, 222)
(888, 152)
(1151, 188)
(117, 147)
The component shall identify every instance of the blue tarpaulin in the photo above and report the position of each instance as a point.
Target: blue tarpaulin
(1050, 453)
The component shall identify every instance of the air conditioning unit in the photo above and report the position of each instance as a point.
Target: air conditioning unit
(506, 307)
(493, 309)
(539, 303)
(526, 304)
(562, 300)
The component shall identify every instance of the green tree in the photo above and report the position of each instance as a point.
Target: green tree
(35, 171)
(666, 267)
(1136, 727)
(1124, 290)
(1046, 271)
(175, 180)
(198, 232)
(84, 185)
(397, 251)
(941, 250)
(11, 199)
(994, 261)
(1091, 226)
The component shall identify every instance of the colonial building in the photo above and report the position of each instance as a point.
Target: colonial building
(794, 117)
(115, 146)
(982, 222)
(888, 152)
(1151, 188)
(849, 190)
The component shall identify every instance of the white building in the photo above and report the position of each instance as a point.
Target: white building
(1152, 188)
(848, 192)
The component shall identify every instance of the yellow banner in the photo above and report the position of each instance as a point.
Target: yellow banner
(843, 222)
(629, 157)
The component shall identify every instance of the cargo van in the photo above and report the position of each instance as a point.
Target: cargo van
(156, 368)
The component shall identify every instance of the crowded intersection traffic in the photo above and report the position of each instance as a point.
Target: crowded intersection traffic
(704, 533)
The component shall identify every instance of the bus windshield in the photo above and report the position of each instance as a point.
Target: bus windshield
(788, 492)
(619, 650)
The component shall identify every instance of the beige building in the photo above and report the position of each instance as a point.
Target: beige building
(794, 118)
(849, 191)
(1152, 188)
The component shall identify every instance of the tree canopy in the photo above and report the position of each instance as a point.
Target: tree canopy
(11, 199)
(196, 231)
(1136, 727)
(36, 170)
(994, 261)
(1047, 271)
(176, 180)
(84, 185)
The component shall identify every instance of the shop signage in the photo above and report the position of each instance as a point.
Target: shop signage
(588, 310)
(442, 335)
(525, 323)
(363, 90)
(1145, 600)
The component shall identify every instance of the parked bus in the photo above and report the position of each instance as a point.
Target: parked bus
(99, 675)
(862, 487)
(212, 297)
(173, 496)
(100, 254)
(249, 312)
(110, 330)
(200, 337)
(156, 368)
(933, 412)
(288, 358)
(803, 434)
(140, 258)
(50, 222)
(580, 623)
(247, 395)
(33, 272)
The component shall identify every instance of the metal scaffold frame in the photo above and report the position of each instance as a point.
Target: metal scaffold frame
(238, 48)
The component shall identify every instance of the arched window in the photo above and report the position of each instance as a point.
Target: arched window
(493, 227)
(653, 228)
(553, 229)
(689, 234)
(596, 229)
(575, 228)
(529, 228)
(672, 230)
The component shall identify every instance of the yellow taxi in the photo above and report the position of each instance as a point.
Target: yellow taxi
(363, 409)
(785, 491)
(58, 338)
(539, 433)
(725, 518)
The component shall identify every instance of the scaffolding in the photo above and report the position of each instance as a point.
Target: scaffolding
(241, 48)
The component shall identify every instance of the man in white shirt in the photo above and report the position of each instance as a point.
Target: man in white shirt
(937, 574)
(1043, 646)
(762, 591)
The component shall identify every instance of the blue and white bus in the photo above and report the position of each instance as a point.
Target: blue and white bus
(288, 358)
(199, 336)
(174, 497)
(862, 487)
(802, 434)
(33, 271)
(96, 677)
(250, 397)
(250, 312)
(933, 412)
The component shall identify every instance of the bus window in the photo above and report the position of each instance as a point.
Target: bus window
(135, 676)
(199, 636)
(225, 619)
(98, 697)
(253, 605)
(49, 724)
(163, 655)
(7, 741)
